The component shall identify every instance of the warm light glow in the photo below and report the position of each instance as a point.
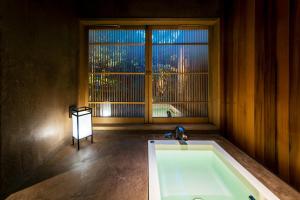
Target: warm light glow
(85, 125)
(106, 110)
(47, 132)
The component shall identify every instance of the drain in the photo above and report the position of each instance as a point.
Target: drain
(251, 197)
(198, 198)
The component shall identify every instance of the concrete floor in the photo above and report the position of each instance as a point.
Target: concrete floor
(116, 167)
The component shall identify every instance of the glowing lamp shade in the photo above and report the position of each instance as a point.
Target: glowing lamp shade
(82, 124)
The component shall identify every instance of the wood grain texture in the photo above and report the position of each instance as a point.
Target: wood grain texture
(262, 82)
(265, 84)
(282, 54)
(239, 75)
(214, 102)
(294, 114)
(82, 97)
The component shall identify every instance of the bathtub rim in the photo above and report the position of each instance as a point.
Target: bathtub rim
(153, 181)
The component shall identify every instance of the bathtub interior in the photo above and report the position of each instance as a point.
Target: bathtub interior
(202, 170)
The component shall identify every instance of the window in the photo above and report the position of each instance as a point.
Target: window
(117, 72)
(180, 73)
(157, 73)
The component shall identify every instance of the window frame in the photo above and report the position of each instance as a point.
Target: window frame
(214, 87)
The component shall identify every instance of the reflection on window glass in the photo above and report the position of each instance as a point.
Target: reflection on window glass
(117, 66)
(111, 54)
(117, 50)
(179, 36)
(116, 36)
(180, 73)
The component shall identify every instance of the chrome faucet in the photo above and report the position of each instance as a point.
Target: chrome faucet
(179, 135)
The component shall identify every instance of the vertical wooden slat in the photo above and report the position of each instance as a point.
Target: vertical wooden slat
(115, 87)
(239, 75)
(276, 80)
(294, 99)
(83, 70)
(190, 60)
(282, 40)
(265, 84)
(148, 77)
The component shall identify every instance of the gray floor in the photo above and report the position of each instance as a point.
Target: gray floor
(116, 167)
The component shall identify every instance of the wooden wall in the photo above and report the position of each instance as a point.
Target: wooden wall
(95, 9)
(265, 83)
(262, 82)
(294, 114)
(282, 55)
(239, 76)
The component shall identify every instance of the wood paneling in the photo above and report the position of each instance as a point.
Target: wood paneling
(215, 88)
(265, 84)
(294, 114)
(239, 75)
(282, 54)
(262, 82)
(95, 9)
(83, 69)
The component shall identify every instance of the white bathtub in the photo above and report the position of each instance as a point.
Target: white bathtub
(200, 170)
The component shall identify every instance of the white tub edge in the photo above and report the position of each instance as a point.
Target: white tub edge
(154, 189)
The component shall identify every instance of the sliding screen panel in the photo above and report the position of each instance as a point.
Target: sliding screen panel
(117, 72)
(180, 73)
